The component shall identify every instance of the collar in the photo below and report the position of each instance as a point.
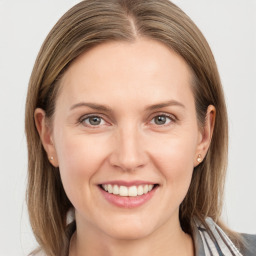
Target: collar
(198, 242)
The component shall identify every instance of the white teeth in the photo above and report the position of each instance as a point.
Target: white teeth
(127, 191)
(115, 190)
(140, 190)
(123, 191)
(133, 191)
(110, 189)
(145, 189)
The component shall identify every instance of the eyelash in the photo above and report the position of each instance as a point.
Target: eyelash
(82, 120)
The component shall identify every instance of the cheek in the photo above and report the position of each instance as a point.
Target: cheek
(75, 157)
(79, 159)
(176, 151)
(174, 158)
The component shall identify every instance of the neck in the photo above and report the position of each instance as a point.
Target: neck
(164, 241)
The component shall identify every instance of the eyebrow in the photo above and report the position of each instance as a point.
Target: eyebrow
(104, 108)
(164, 104)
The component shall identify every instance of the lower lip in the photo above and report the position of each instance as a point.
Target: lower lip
(128, 201)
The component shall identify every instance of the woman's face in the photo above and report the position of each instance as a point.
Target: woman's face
(125, 121)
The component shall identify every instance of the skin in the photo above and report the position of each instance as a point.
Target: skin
(128, 144)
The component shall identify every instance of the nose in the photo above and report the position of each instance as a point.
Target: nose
(129, 152)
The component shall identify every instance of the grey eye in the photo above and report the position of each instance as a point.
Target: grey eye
(93, 120)
(161, 120)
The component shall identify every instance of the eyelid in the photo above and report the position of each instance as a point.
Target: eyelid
(172, 117)
(84, 117)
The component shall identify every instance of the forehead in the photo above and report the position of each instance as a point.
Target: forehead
(142, 69)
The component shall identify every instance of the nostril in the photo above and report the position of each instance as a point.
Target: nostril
(128, 156)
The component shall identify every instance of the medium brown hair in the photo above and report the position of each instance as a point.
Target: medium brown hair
(93, 22)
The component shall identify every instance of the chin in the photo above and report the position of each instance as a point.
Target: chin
(129, 231)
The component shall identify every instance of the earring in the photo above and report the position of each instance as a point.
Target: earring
(51, 158)
(199, 158)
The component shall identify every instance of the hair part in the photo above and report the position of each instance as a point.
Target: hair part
(93, 22)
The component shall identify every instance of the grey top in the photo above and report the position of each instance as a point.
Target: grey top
(248, 250)
(250, 244)
(221, 249)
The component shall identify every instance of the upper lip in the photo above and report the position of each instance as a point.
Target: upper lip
(128, 183)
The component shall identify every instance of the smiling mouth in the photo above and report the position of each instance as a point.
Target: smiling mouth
(131, 191)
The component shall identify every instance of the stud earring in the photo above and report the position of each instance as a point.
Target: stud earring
(51, 158)
(199, 158)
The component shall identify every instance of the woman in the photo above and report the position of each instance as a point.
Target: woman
(127, 129)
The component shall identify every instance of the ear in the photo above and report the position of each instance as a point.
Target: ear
(205, 135)
(45, 133)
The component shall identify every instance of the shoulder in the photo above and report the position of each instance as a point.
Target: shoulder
(249, 248)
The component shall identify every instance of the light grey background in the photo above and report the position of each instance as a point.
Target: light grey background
(230, 28)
